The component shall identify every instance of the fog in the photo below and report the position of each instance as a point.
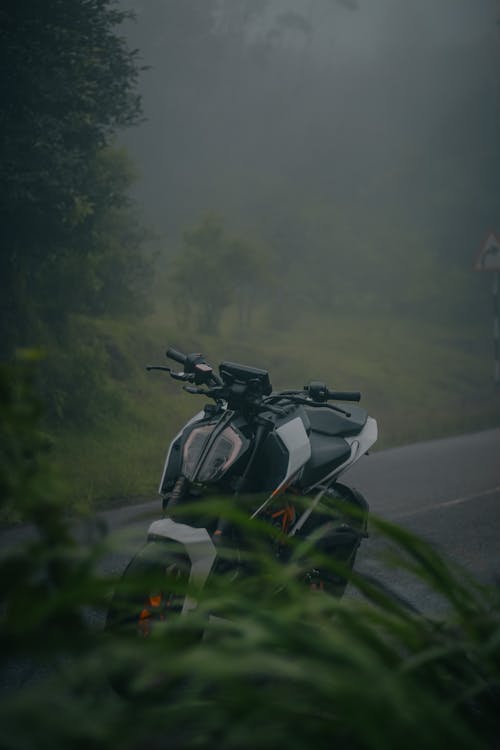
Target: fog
(358, 135)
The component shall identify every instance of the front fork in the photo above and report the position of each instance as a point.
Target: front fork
(177, 494)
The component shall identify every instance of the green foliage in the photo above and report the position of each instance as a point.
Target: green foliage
(214, 270)
(46, 580)
(74, 379)
(109, 273)
(72, 242)
(286, 665)
(69, 241)
(24, 473)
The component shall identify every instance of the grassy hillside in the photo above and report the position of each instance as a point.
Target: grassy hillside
(419, 381)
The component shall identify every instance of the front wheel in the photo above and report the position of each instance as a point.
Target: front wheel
(147, 598)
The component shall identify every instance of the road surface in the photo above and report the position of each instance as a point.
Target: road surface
(446, 491)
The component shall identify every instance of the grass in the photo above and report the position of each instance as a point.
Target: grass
(419, 380)
(294, 669)
(288, 666)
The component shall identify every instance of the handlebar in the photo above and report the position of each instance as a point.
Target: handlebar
(197, 371)
(176, 356)
(318, 391)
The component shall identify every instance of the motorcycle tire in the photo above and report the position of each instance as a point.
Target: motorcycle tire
(148, 595)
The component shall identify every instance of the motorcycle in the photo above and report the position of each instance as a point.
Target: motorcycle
(278, 454)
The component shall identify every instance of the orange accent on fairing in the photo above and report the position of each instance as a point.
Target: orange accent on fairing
(288, 513)
(279, 491)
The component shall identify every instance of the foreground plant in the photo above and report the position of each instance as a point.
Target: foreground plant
(282, 664)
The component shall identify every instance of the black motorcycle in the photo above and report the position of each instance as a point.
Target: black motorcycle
(275, 455)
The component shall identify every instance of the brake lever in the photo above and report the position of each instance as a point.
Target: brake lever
(158, 367)
(209, 392)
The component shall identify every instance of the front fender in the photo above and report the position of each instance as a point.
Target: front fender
(199, 548)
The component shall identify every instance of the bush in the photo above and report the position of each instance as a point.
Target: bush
(287, 666)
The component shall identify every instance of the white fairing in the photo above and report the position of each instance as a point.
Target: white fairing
(296, 440)
(199, 547)
(196, 418)
(360, 444)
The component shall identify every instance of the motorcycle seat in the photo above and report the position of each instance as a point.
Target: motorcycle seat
(328, 422)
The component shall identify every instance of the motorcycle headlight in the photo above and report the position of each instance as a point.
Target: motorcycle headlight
(223, 453)
(227, 447)
(194, 447)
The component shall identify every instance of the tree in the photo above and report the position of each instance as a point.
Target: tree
(246, 265)
(68, 82)
(214, 270)
(199, 272)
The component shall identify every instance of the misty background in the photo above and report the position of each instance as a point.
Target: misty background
(358, 141)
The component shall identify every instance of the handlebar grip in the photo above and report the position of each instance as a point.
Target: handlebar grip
(177, 356)
(344, 395)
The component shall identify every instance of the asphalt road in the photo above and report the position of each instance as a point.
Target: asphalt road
(446, 491)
